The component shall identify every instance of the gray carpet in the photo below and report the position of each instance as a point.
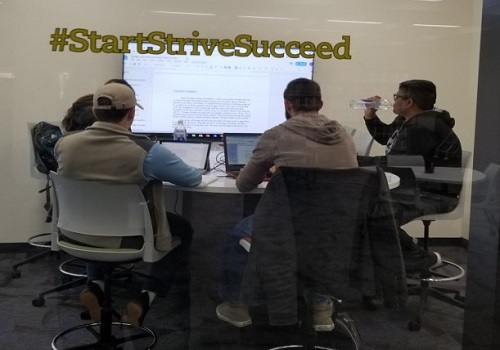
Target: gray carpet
(185, 318)
(179, 326)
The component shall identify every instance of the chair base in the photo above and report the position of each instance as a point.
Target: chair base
(346, 338)
(39, 241)
(88, 337)
(425, 291)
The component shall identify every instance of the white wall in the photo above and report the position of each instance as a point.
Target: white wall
(39, 84)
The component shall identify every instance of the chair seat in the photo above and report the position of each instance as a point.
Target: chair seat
(101, 254)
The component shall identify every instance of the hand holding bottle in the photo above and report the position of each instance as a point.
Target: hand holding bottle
(370, 105)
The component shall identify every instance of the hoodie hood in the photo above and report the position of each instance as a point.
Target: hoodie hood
(441, 114)
(316, 127)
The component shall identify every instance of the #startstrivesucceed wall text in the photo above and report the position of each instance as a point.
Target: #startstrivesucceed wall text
(81, 40)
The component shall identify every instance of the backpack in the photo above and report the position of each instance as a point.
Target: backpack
(45, 136)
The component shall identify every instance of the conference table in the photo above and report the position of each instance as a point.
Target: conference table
(449, 175)
(217, 182)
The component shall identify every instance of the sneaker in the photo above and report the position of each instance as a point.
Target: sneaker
(433, 260)
(91, 297)
(322, 317)
(419, 260)
(235, 314)
(137, 310)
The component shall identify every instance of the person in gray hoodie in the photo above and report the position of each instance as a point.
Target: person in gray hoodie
(305, 139)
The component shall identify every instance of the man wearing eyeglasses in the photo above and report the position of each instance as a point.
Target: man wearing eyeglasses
(418, 129)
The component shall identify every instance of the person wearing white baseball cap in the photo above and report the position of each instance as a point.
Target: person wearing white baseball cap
(118, 96)
(114, 153)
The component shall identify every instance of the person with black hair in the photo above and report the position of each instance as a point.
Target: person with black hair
(418, 129)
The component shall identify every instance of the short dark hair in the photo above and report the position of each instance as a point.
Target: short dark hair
(109, 115)
(422, 92)
(304, 94)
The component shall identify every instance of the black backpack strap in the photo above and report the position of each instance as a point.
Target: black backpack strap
(48, 204)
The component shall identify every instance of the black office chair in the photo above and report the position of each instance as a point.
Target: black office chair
(332, 232)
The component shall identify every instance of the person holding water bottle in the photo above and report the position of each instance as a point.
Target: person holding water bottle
(418, 129)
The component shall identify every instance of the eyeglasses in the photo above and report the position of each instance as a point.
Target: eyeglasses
(396, 96)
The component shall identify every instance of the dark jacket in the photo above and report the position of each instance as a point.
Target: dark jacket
(429, 134)
(333, 229)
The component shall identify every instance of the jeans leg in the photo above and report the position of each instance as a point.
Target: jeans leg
(234, 261)
(161, 273)
(315, 298)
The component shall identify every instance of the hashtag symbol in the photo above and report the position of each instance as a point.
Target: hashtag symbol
(59, 39)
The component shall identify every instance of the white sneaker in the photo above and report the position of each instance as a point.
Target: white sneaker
(322, 317)
(235, 314)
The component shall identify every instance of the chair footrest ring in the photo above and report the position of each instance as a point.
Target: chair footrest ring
(42, 240)
(437, 276)
(88, 337)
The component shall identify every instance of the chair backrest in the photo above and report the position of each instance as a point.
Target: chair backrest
(350, 130)
(320, 226)
(466, 155)
(103, 209)
(363, 141)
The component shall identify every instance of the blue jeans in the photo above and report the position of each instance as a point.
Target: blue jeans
(161, 273)
(235, 260)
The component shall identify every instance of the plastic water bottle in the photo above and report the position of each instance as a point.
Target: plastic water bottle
(366, 103)
(180, 132)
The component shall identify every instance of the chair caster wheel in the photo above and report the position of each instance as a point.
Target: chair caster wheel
(414, 326)
(40, 301)
(15, 274)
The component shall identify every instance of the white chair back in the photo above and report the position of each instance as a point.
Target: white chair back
(350, 130)
(103, 209)
(466, 158)
(363, 141)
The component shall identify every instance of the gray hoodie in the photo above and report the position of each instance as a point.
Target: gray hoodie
(307, 140)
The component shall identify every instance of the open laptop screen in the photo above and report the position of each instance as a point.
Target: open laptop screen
(238, 148)
(193, 153)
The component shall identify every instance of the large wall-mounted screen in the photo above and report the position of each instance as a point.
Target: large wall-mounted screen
(212, 94)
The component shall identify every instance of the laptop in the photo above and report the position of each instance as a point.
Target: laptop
(194, 153)
(238, 148)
